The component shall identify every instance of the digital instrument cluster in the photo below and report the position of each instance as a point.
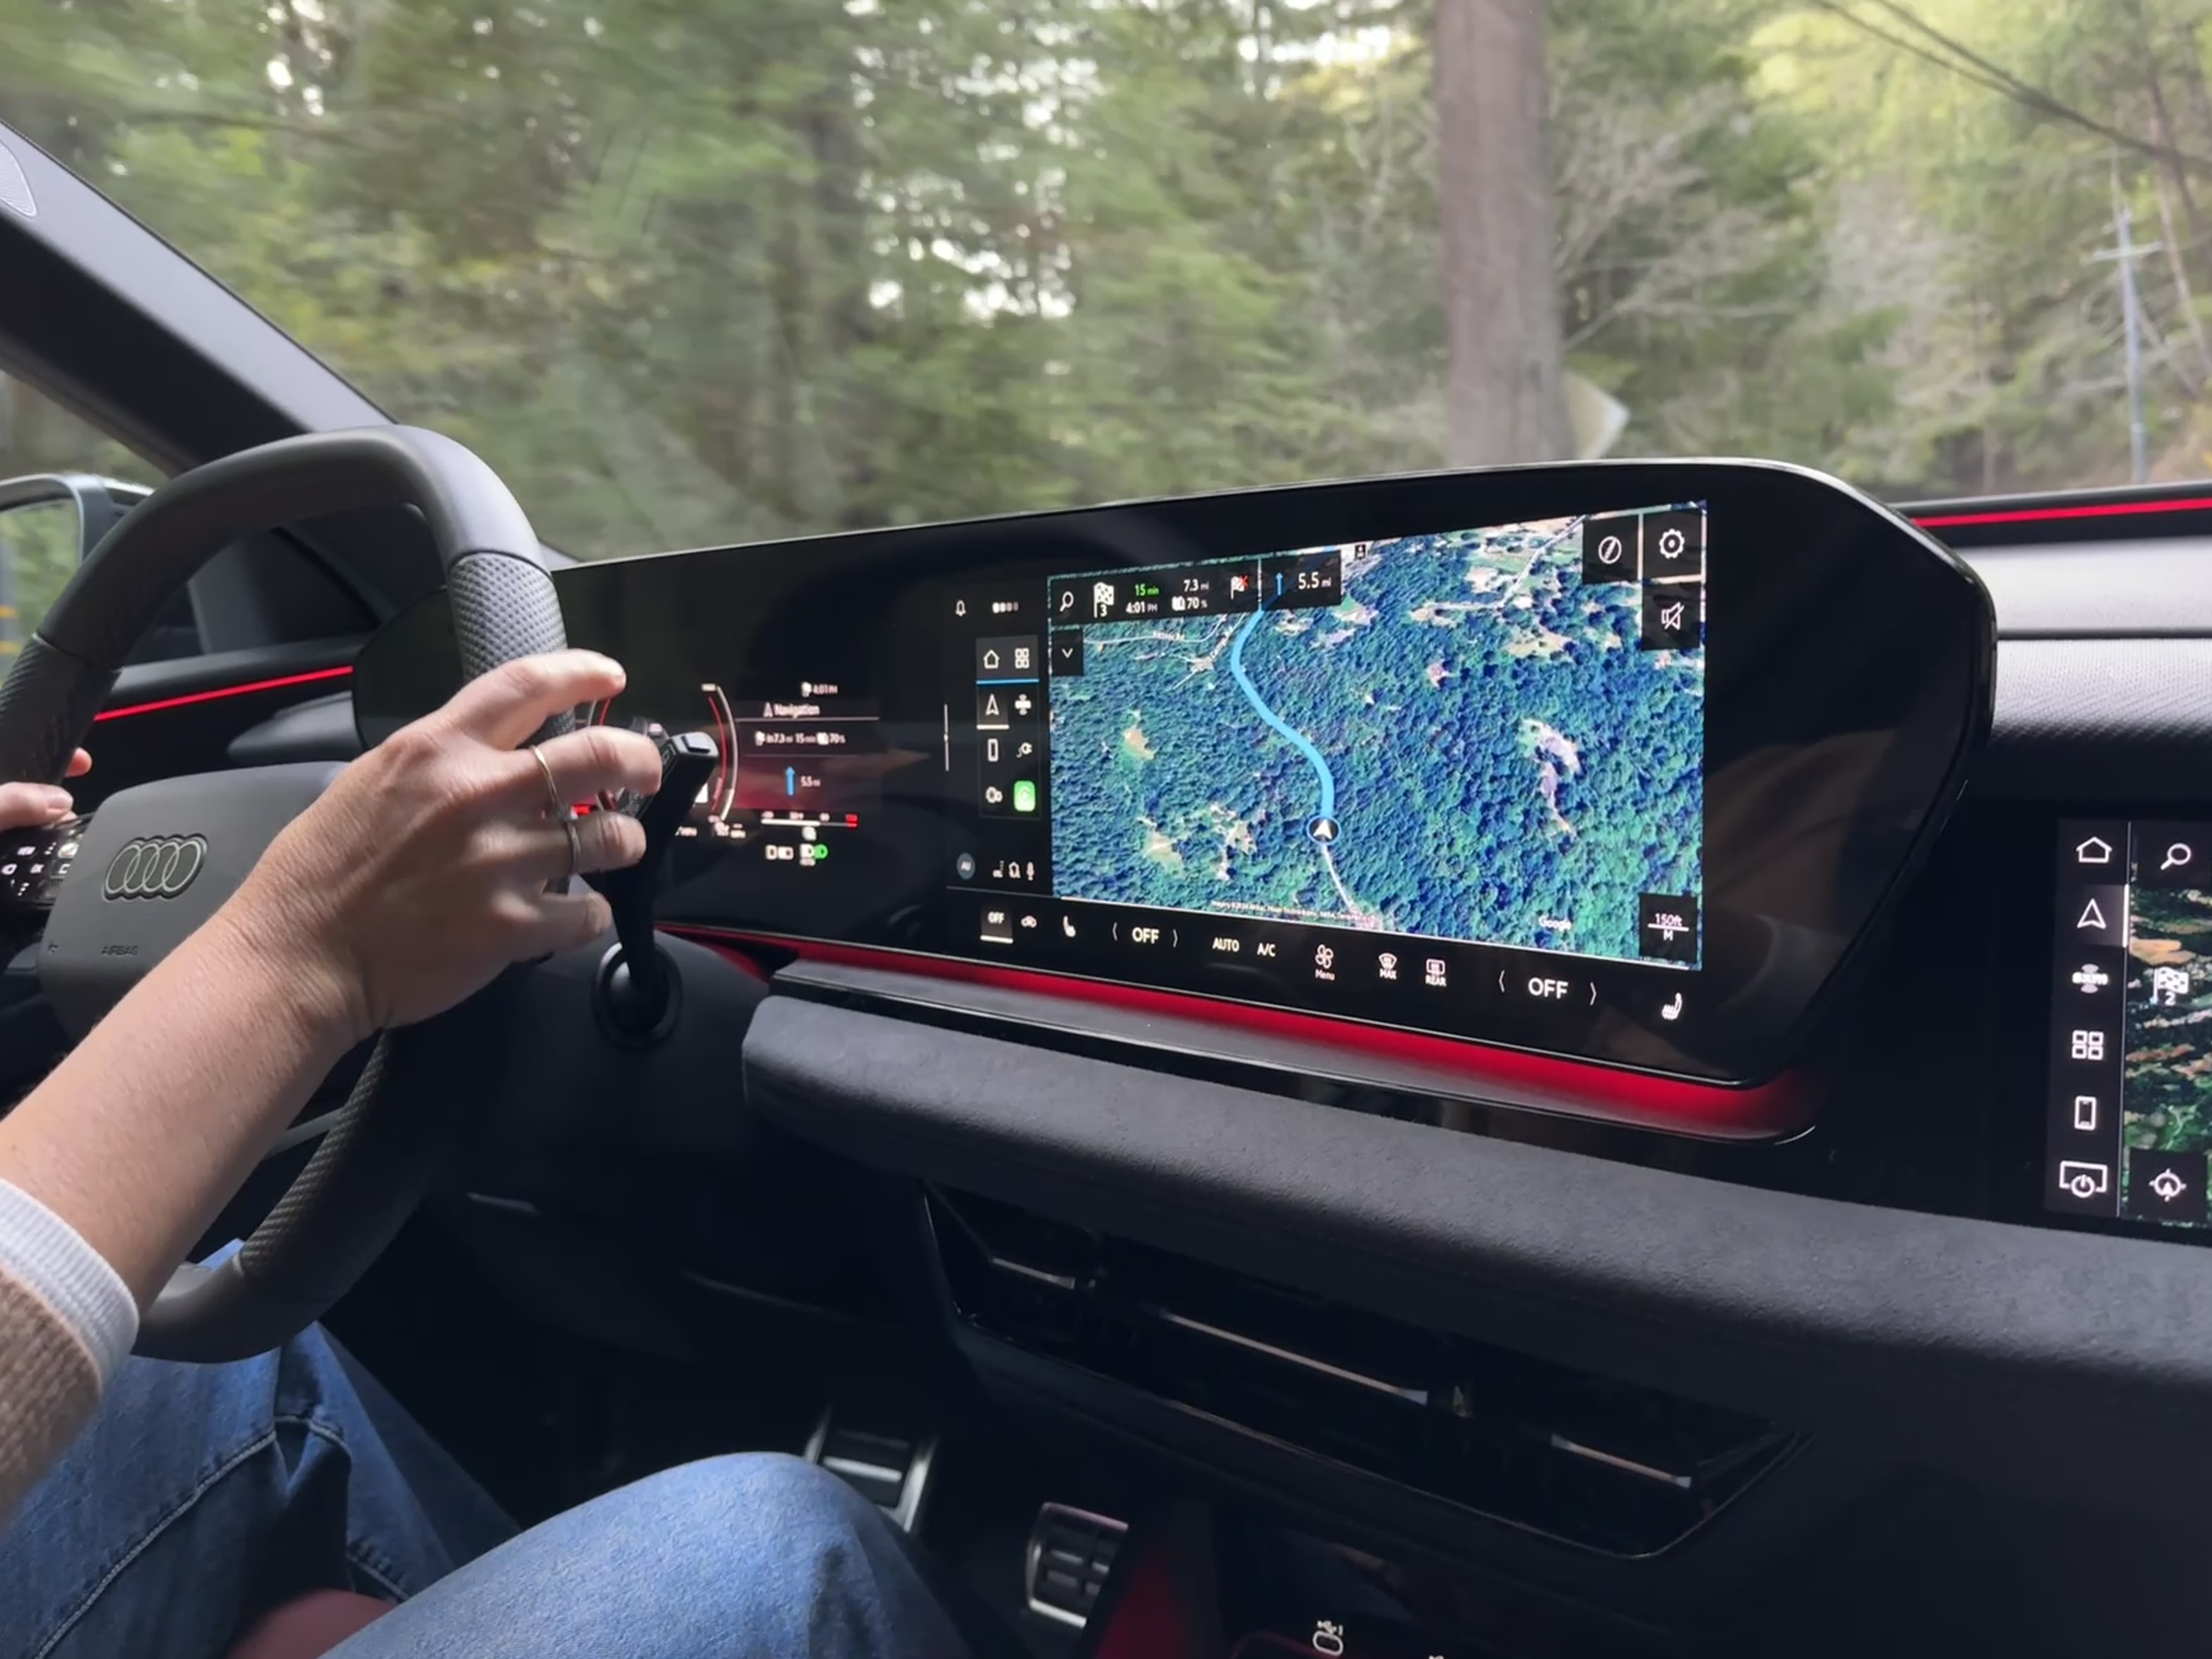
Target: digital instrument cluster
(797, 772)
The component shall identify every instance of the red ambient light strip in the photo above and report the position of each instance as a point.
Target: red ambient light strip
(2052, 514)
(220, 691)
(1540, 1082)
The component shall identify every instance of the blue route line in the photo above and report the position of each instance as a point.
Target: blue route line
(1303, 743)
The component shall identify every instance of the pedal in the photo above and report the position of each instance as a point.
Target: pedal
(892, 1471)
(1071, 1554)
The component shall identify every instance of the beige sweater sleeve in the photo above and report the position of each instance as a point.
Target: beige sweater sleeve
(49, 1383)
(66, 1321)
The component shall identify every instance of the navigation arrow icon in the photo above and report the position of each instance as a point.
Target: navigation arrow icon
(2092, 916)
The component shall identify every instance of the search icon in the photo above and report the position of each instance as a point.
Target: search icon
(2179, 854)
(1067, 597)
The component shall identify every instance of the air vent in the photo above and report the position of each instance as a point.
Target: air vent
(1624, 1470)
(1070, 1556)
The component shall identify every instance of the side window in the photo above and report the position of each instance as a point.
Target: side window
(38, 539)
(273, 591)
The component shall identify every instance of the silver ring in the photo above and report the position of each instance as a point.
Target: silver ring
(555, 806)
(575, 852)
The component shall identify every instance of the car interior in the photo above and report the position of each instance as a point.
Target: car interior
(1654, 1154)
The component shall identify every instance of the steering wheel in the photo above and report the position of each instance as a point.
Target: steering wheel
(375, 1164)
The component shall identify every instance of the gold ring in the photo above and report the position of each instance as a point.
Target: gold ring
(555, 806)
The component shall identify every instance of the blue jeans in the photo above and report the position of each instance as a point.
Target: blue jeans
(201, 1495)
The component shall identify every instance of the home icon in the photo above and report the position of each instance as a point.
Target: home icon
(2095, 850)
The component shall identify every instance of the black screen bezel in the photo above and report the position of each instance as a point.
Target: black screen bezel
(1850, 670)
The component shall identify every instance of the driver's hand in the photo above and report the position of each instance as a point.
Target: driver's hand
(34, 805)
(421, 871)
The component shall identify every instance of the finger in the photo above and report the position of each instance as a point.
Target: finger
(28, 806)
(562, 922)
(80, 763)
(598, 758)
(604, 840)
(513, 700)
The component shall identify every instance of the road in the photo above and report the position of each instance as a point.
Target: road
(1303, 743)
(1304, 746)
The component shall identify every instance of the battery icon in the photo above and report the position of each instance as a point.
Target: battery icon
(1024, 796)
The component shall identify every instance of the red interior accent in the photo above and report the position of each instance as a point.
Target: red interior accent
(2052, 514)
(245, 690)
(729, 953)
(1148, 1619)
(1780, 1107)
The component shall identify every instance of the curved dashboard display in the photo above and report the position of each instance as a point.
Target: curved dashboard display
(1613, 761)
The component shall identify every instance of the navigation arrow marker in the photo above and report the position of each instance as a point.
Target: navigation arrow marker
(2091, 916)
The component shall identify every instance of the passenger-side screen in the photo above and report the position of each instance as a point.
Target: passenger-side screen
(2130, 1107)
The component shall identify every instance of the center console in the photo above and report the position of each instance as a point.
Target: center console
(1550, 1451)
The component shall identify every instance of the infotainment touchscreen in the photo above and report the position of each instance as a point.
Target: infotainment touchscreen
(1490, 735)
(2130, 1102)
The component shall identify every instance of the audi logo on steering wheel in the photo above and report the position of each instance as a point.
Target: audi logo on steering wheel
(154, 867)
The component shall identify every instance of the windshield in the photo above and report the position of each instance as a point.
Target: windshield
(705, 272)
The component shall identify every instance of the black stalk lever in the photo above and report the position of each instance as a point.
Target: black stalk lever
(635, 978)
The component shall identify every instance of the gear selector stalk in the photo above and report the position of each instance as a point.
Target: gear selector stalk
(637, 991)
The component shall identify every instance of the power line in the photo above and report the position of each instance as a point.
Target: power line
(1904, 45)
(1969, 65)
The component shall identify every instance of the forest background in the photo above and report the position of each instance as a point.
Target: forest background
(690, 271)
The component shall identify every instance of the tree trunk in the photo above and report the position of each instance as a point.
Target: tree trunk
(2189, 64)
(2185, 293)
(2164, 136)
(1494, 205)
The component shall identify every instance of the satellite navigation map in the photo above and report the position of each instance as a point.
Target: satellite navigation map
(1466, 744)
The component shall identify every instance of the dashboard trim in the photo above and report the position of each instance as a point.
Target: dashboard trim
(1347, 1050)
(2055, 513)
(216, 694)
